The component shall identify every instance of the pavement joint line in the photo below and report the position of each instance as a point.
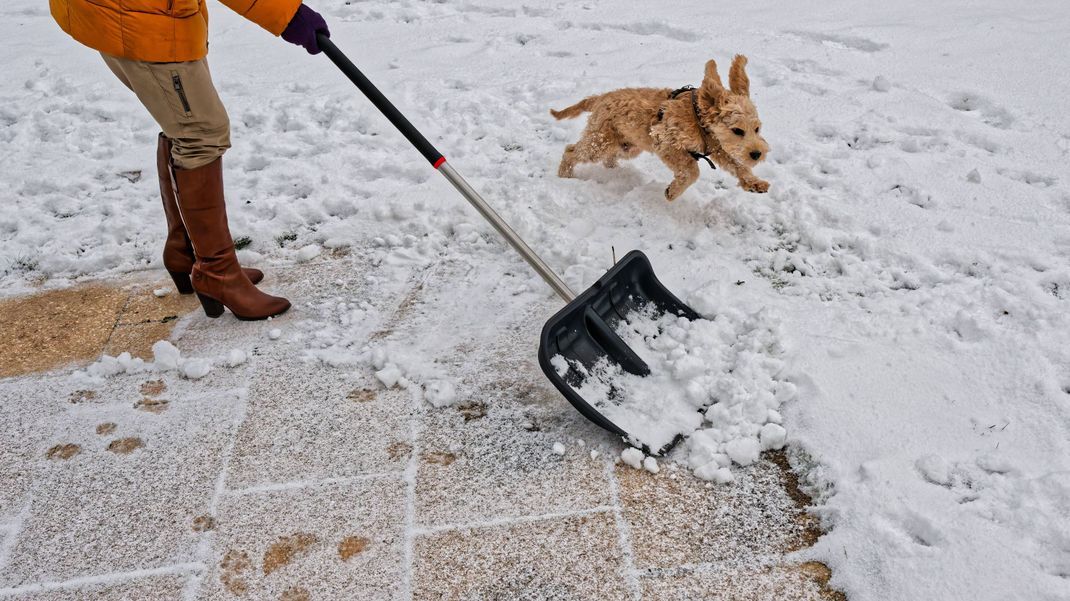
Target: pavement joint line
(624, 533)
(11, 531)
(204, 547)
(299, 484)
(409, 476)
(108, 578)
(526, 519)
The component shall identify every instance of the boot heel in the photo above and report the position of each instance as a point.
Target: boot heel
(182, 282)
(212, 307)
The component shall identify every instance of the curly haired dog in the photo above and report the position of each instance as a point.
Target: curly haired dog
(679, 127)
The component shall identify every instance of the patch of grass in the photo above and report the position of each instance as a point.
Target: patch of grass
(242, 242)
(286, 237)
(23, 264)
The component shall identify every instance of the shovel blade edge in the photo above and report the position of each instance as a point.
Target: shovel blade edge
(583, 331)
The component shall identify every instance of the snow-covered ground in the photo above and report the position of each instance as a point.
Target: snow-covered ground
(914, 246)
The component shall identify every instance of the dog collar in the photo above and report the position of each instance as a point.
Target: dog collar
(698, 156)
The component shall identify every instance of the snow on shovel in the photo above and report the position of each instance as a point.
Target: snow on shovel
(581, 346)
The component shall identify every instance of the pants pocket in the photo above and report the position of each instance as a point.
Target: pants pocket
(180, 90)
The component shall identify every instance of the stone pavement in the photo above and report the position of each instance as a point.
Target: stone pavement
(287, 480)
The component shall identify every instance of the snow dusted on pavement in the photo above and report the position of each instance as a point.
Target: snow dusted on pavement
(914, 246)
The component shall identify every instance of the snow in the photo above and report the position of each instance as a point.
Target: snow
(166, 358)
(633, 457)
(558, 448)
(307, 253)
(274, 334)
(721, 376)
(909, 269)
(650, 464)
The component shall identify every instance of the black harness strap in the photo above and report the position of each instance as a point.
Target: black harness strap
(698, 156)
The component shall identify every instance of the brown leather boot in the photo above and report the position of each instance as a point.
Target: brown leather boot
(217, 278)
(177, 250)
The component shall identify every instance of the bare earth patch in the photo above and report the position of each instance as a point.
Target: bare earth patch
(125, 446)
(286, 549)
(232, 569)
(153, 388)
(63, 451)
(151, 405)
(352, 545)
(203, 523)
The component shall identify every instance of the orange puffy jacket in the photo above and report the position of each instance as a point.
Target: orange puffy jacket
(158, 31)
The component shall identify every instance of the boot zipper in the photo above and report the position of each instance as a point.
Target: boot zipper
(177, 81)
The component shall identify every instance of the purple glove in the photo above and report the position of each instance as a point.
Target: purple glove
(303, 28)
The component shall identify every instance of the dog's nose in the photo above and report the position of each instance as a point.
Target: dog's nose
(756, 154)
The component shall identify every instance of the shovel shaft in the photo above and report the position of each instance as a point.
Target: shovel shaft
(438, 161)
(518, 244)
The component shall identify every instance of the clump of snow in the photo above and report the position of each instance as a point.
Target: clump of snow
(166, 357)
(309, 252)
(236, 357)
(195, 369)
(440, 393)
(650, 464)
(161, 292)
(633, 457)
(558, 448)
(389, 375)
(274, 334)
(717, 381)
(772, 437)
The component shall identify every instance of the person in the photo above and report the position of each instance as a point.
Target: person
(158, 49)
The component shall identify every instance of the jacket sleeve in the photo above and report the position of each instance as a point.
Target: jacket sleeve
(272, 15)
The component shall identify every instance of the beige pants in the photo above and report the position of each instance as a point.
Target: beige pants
(184, 102)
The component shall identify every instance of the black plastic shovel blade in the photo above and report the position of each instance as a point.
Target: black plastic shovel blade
(584, 331)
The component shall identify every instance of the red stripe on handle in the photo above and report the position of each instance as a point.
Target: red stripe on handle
(439, 162)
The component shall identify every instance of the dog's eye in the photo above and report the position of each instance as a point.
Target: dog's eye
(737, 131)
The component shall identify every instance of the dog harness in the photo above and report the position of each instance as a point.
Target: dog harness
(698, 156)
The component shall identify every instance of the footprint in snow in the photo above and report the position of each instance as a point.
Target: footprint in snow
(842, 42)
(990, 113)
(1028, 177)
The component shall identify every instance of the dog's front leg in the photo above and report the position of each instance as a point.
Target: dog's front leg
(685, 172)
(748, 181)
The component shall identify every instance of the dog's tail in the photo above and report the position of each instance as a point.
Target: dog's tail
(575, 110)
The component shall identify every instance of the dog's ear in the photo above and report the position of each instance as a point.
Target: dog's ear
(737, 77)
(712, 89)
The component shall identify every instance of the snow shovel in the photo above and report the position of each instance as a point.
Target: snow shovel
(583, 332)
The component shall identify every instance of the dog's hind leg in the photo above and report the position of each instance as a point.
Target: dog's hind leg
(568, 161)
(591, 148)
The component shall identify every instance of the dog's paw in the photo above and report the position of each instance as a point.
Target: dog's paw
(758, 186)
(671, 194)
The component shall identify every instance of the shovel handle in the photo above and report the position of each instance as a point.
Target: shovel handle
(381, 102)
(438, 161)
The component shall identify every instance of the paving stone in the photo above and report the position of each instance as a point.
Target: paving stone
(678, 521)
(104, 510)
(156, 588)
(337, 541)
(316, 423)
(27, 404)
(145, 307)
(515, 470)
(56, 328)
(137, 339)
(566, 558)
(773, 583)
